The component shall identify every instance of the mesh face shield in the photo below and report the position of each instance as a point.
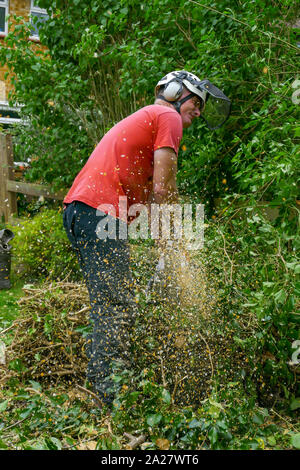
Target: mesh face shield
(217, 105)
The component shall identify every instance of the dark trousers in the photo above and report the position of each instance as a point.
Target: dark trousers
(105, 267)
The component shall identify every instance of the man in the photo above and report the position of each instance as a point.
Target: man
(135, 160)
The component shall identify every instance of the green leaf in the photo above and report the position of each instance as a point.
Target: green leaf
(280, 296)
(241, 342)
(295, 266)
(36, 67)
(3, 445)
(24, 414)
(268, 284)
(53, 443)
(154, 419)
(132, 398)
(17, 365)
(166, 397)
(271, 440)
(3, 405)
(35, 385)
(295, 404)
(258, 419)
(295, 440)
(213, 435)
(195, 423)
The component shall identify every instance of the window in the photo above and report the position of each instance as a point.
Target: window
(41, 14)
(3, 14)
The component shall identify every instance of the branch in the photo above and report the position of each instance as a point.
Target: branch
(134, 442)
(186, 36)
(15, 424)
(162, 372)
(230, 261)
(177, 382)
(267, 33)
(209, 353)
(92, 394)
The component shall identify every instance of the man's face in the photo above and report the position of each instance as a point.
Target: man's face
(190, 109)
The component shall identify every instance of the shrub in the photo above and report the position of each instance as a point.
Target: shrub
(41, 248)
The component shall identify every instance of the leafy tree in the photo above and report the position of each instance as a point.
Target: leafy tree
(98, 61)
(102, 60)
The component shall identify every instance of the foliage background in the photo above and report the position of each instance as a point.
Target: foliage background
(98, 61)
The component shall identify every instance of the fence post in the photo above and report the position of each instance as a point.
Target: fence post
(8, 200)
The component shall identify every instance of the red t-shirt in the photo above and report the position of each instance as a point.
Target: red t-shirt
(122, 162)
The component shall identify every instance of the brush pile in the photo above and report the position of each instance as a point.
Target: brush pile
(182, 334)
(47, 341)
(184, 338)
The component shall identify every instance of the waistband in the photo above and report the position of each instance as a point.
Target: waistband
(66, 204)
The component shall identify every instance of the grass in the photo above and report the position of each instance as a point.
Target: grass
(9, 308)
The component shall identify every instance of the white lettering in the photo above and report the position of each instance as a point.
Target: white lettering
(108, 221)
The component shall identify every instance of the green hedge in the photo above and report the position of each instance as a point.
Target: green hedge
(41, 248)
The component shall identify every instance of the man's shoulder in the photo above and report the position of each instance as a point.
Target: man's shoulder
(159, 109)
(159, 114)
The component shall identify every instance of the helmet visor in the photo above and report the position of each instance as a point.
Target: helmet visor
(217, 105)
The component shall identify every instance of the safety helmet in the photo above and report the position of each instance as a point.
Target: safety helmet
(217, 105)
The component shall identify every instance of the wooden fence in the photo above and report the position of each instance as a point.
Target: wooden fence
(9, 187)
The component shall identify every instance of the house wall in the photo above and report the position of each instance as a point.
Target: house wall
(20, 7)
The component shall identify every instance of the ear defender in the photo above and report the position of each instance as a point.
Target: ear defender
(173, 90)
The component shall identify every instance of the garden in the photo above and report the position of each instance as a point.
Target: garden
(219, 370)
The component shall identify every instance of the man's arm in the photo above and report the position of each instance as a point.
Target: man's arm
(164, 176)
